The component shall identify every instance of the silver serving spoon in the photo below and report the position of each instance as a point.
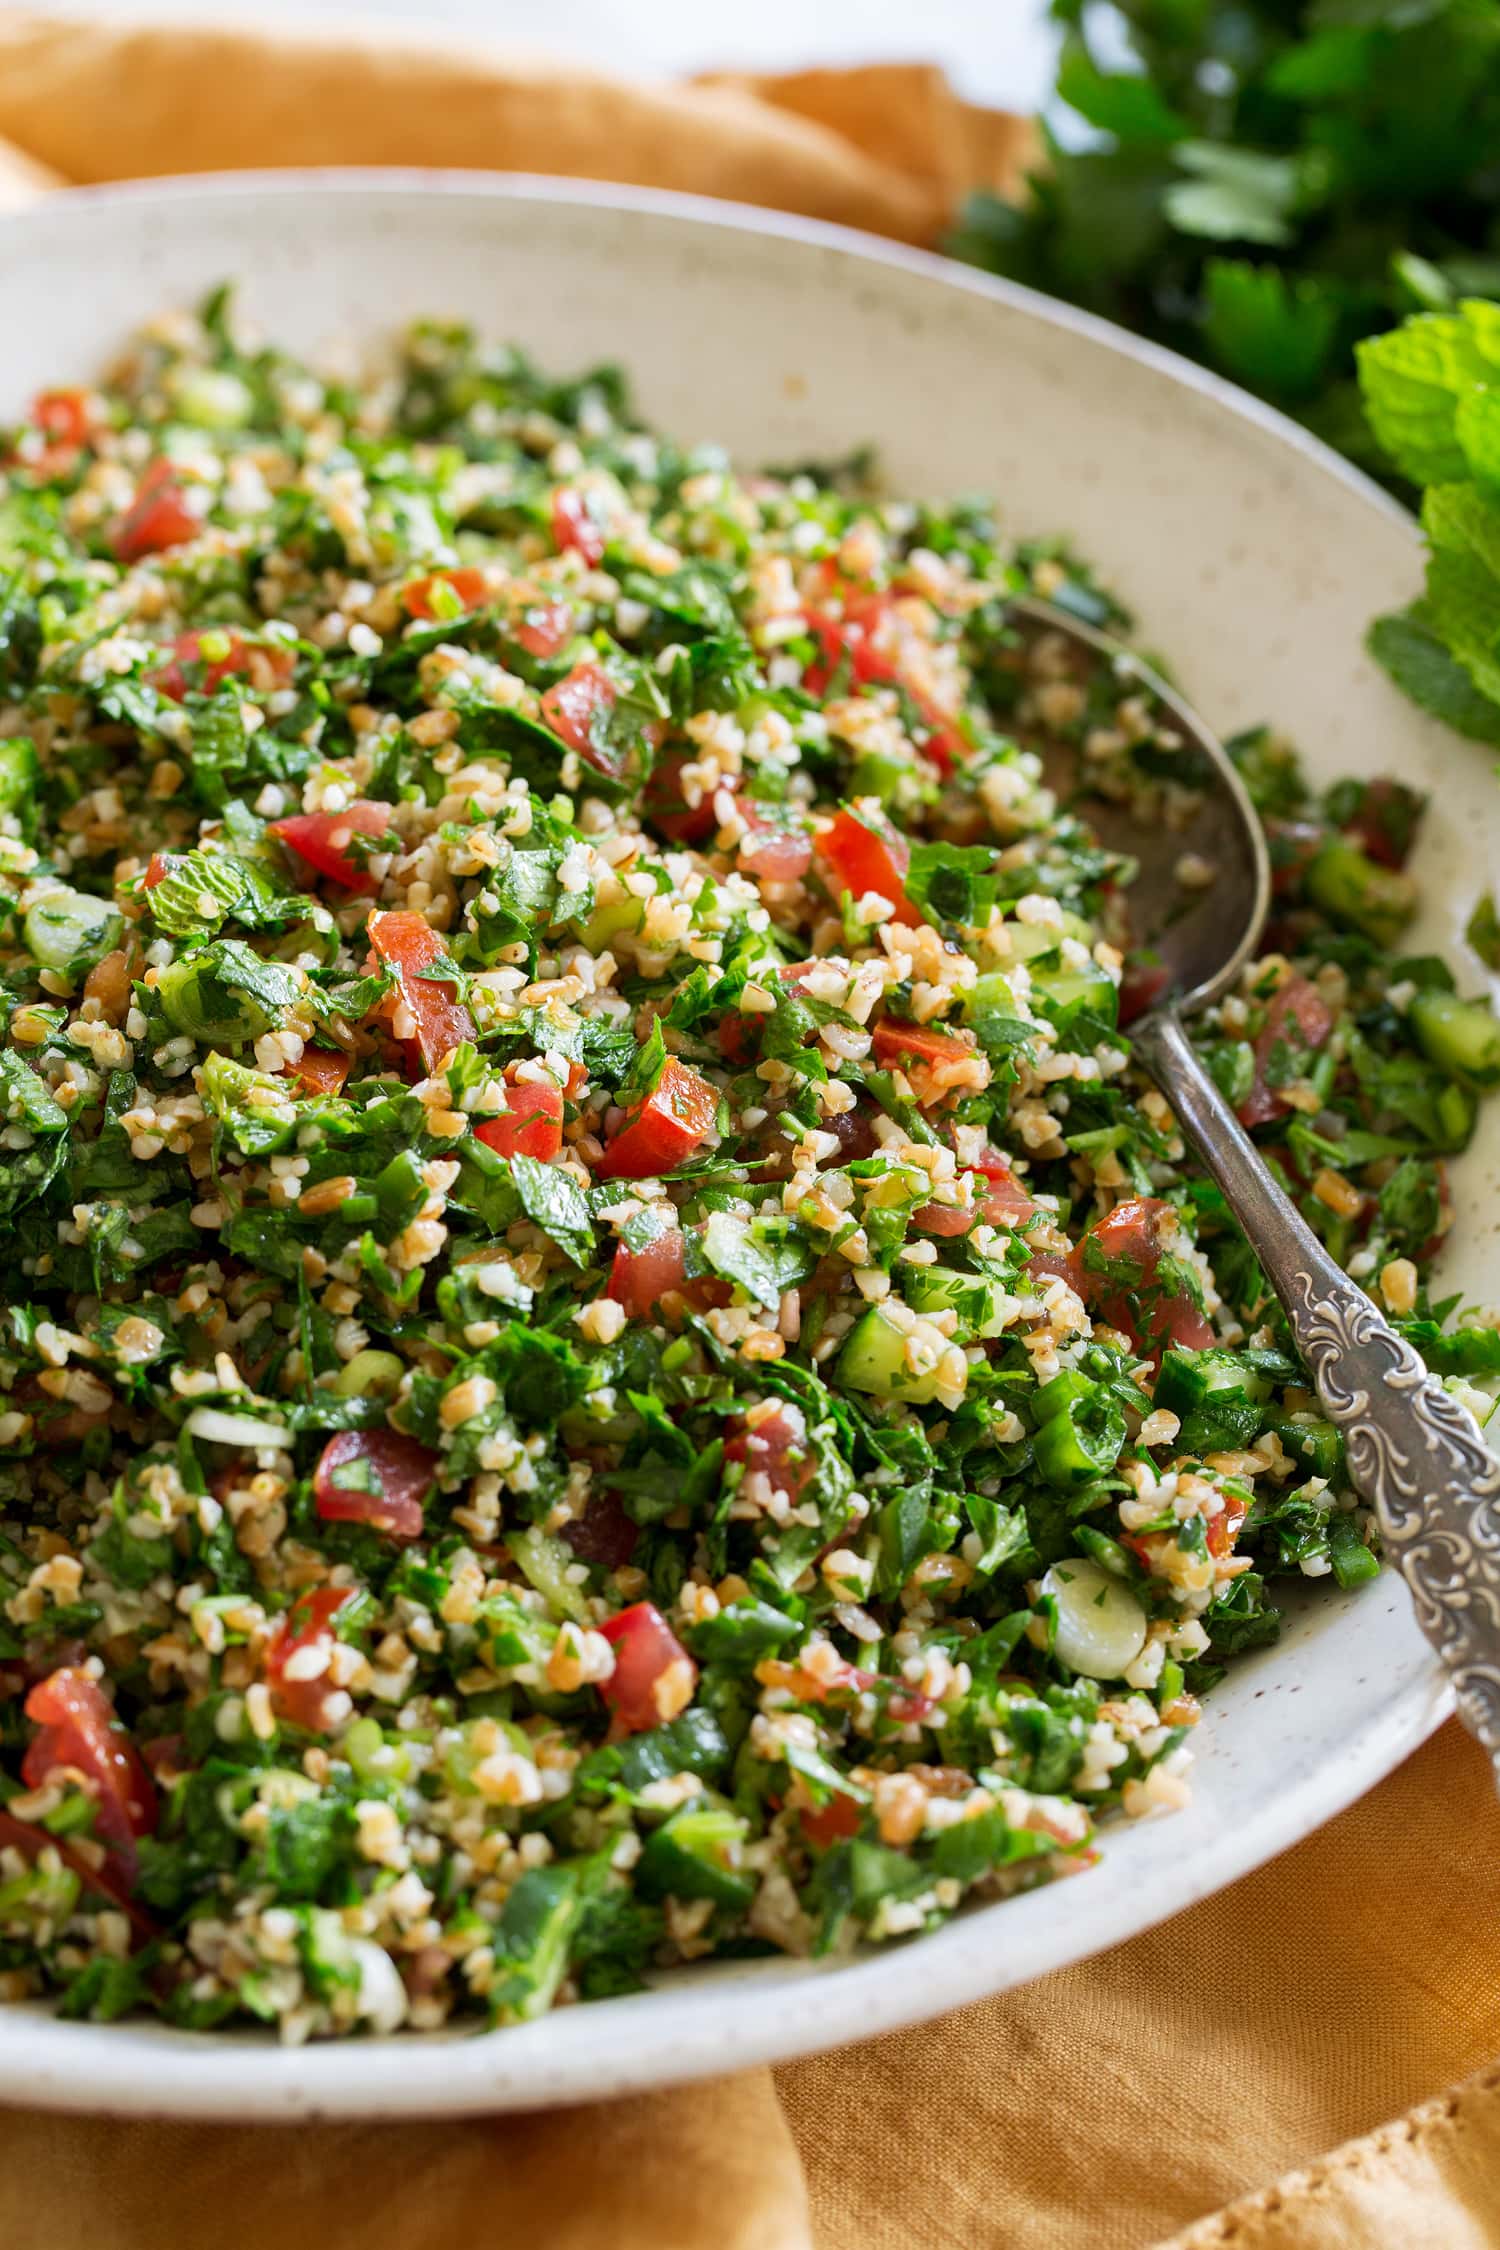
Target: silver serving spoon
(1414, 1454)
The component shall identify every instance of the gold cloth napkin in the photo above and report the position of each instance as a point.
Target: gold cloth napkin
(1108, 2107)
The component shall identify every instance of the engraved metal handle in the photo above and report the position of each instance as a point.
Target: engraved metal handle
(1414, 1453)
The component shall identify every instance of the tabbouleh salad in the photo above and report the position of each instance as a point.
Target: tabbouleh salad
(607, 1359)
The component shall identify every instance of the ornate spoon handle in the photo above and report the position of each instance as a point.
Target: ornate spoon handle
(1414, 1453)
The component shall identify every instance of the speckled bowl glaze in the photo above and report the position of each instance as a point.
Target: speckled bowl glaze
(1252, 556)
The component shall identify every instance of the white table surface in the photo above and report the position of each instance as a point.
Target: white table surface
(996, 50)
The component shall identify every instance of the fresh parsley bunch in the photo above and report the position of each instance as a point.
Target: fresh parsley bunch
(1268, 181)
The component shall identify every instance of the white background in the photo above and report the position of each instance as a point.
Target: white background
(996, 50)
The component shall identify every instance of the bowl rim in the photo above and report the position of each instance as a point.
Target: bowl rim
(243, 2075)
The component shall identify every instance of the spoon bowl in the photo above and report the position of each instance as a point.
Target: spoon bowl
(1205, 930)
(1413, 1452)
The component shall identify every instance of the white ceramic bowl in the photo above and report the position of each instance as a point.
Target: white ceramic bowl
(1253, 556)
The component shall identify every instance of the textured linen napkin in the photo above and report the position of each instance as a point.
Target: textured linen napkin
(1144, 2098)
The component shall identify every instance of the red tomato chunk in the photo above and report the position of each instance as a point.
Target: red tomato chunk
(76, 1729)
(544, 629)
(378, 1477)
(157, 518)
(1298, 1021)
(639, 1279)
(573, 526)
(668, 1126)
(304, 1701)
(1135, 1233)
(320, 1071)
(858, 858)
(654, 1677)
(446, 593)
(531, 1126)
(569, 710)
(777, 1449)
(408, 944)
(323, 840)
(240, 658)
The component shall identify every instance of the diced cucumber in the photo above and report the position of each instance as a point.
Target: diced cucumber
(982, 1306)
(1218, 1398)
(1066, 992)
(196, 1002)
(1353, 888)
(68, 931)
(546, 1564)
(1191, 1379)
(874, 1359)
(607, 922)
(20, 780)
(696, 1855)
(886, 778)
(1101, 1626)
(1029, 940)
(1316, 1444)
(532, 1943)
(211, 398)
(994, 991)
(374, 1755)
(1461, 1036)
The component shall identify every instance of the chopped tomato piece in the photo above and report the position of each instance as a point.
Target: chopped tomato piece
(408, 944)
(1135, 1237)
(76, 1727)
(320, 1071)
(378, 1477)
(866, 638)
(158, 867)
(603, 1534)
(573, 526)
(323, 840)
(172, 679)
(531, 1126)
(1298, 1020)
(667, 1127)
(771, 850)
(654, 1677)
(776, 856)
(775, 1448)
(1056, 1265)
(309, 1623)
(667, 809)
(832, 1823)
(158, 517)
(904, 1043)
(1224, 1528)
(639, 1279)
(1004, 1201)
(544, 629)
(569, 710)
(1141, 986)
(445, 593)
(943, 1219)
(858, 858)
(67, 417)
